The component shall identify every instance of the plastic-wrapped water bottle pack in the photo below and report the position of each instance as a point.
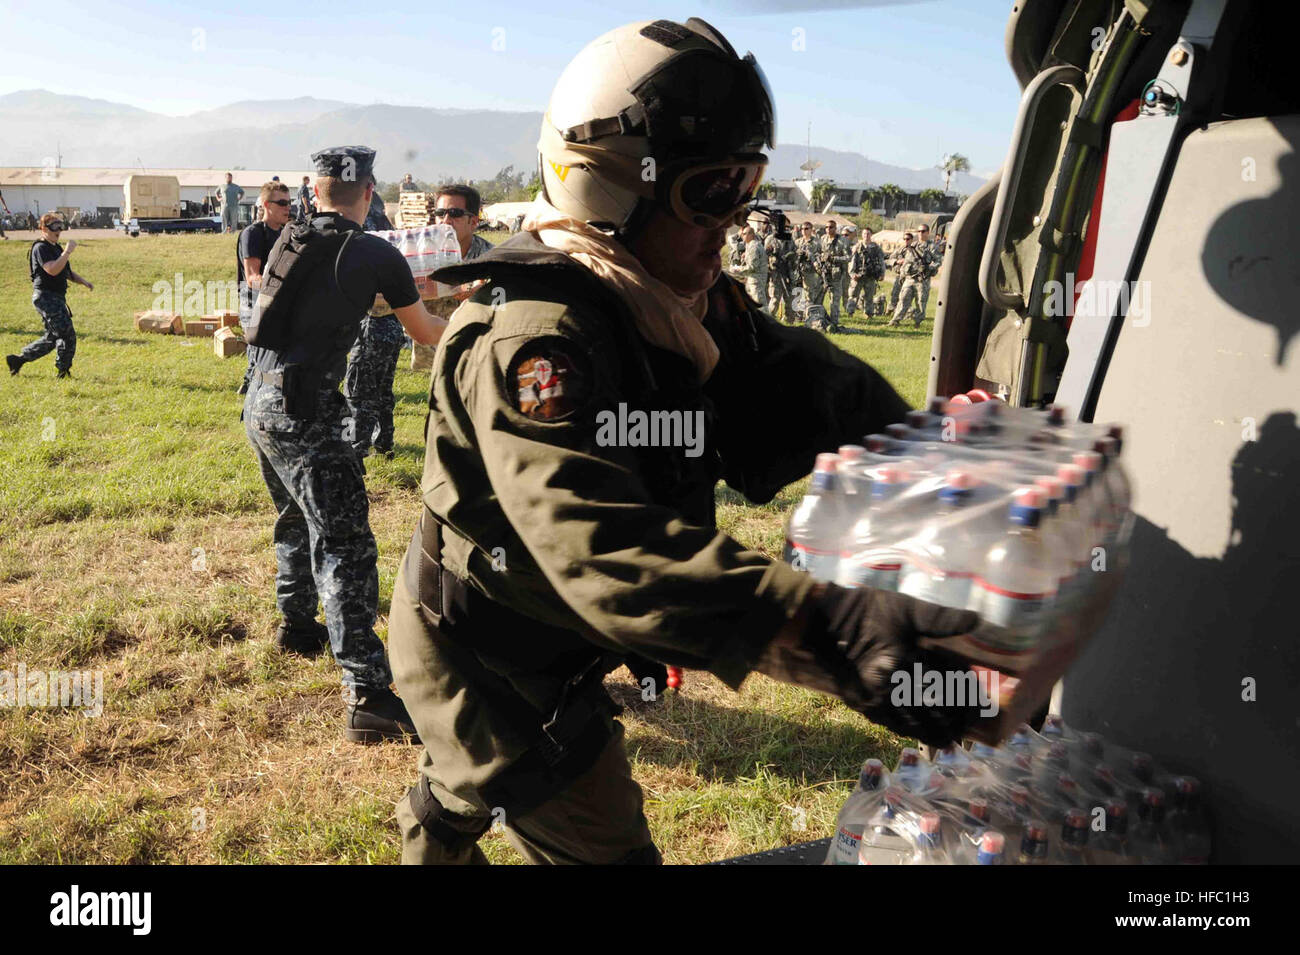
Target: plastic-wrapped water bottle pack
(1055, 798)
(1009, 512)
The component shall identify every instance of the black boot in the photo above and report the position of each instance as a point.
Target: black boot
(14, 363)
(378, 715)
(64, 373)
(308, 641)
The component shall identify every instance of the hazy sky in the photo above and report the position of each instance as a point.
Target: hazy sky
(902, 82)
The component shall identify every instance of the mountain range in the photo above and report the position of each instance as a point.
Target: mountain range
(432, 144)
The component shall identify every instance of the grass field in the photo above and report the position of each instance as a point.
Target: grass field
(135, 540)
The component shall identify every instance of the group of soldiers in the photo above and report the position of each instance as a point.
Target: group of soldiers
(796, 273)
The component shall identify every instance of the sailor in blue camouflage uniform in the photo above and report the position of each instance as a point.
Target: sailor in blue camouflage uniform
(294, 417)
(372, 364)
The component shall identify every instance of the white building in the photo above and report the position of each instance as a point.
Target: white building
(795, 195)
(38, 189)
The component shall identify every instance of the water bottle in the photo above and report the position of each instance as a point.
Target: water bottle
(870, 558)
(815, 531)
(857, 812)
(941, 560)
(1018, 579)
(881, 843)
(912, 772)
(1112, 843)
(1188, 832)
(1074, 838)
(930, 849)
(991, 848)
(854, 480)
(1147, 838)
(1034, 844)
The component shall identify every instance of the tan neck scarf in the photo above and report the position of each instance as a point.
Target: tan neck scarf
(663, 317)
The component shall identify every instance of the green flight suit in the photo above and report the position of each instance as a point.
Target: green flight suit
(553, 545)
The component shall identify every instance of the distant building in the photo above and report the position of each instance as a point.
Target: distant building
(795, 195)
(38, 189)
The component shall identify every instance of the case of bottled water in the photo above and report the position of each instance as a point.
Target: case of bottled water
(1052, 798)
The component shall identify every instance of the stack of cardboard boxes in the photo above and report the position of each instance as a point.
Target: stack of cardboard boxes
(222, 327)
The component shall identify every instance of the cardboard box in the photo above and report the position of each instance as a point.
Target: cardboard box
(202, 327)
(159, 323)
(227, 342)
(225, 319)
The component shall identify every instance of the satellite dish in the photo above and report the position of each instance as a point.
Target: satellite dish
(810, 165)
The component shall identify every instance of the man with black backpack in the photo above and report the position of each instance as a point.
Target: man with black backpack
(317, 284)
(48, 265)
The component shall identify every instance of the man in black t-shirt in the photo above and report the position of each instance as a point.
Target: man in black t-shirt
(253, 248)
(48, 263)
(294, 418)
(7, 212)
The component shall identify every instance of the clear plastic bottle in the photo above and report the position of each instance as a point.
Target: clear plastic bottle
(1034, 844)
(815, 532)
(856, 813)
(882, 843)
(992, 848)
(870, 558)
(1018, 581)
(1189, 835)
(941, 560)
(1073, 846)
(930, 848)
(913, 771)
(1147, 838)
(1112, 843)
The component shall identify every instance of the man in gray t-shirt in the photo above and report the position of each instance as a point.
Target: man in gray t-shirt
(229, 194)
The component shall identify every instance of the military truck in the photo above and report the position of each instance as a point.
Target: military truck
(154, 204)
(1135, 261)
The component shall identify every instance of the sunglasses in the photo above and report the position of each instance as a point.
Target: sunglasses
(449, 213)
(277, 202)
(56, 227)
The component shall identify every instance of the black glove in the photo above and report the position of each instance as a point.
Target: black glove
(643, 667)
(863, 637)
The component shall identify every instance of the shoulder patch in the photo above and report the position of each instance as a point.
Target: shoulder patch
(549, 379)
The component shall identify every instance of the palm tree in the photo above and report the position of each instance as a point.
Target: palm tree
(930, 199)
(953, 162)
(821, 193)
(891, 197)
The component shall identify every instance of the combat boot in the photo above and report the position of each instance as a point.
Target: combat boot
(307, 641)
(14, 363)
(377, 715)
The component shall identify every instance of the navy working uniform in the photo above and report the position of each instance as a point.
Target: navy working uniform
(372, 363)
(294, 418)
(49, 296)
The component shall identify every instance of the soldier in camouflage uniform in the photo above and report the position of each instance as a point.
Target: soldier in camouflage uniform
(835, 259)
(866, 268)
(780, 265)
(458, 206)
(372, 364)
(807, 247)
(912, 267)
(933, 252)
(754, 267)
(294, 419)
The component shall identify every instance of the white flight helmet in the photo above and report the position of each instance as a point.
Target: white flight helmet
(657, 113)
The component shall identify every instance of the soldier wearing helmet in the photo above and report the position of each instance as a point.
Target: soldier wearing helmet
(559, 539)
